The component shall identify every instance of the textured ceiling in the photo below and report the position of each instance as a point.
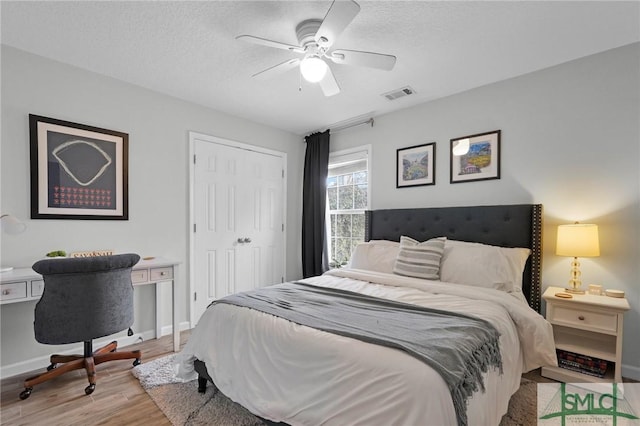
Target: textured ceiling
(187, 49)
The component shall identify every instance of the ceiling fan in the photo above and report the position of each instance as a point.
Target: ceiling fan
(315, 38)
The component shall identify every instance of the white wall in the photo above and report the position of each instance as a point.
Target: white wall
(570, 141)
(158, 127)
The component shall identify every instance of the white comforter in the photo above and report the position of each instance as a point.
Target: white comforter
(295, 374)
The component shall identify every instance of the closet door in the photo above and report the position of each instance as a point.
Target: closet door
(238, 202)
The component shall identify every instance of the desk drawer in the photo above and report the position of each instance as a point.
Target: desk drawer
(139, 276)
(584, 319)
(161, 274)
(13, 291)
(37, 288)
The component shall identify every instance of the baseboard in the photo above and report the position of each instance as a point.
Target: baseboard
(168, 329)
(43, 361)
(631, 372)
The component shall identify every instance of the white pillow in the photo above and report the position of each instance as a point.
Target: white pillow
(483, 265)
(419, 260)
(375, 255)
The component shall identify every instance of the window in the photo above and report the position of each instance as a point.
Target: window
(348, 197)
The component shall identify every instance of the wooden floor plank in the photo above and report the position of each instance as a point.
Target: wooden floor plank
(117, 400)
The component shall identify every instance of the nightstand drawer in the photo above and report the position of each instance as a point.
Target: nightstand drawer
(13, 291)
(584, 319)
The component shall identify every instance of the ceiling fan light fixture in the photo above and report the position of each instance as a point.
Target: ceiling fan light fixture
(313, 69)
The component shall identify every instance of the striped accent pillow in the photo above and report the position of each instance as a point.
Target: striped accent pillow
(419, 260)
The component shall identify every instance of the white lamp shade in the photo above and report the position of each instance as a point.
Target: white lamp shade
(11, 224)
(578, 240)
(313, 69)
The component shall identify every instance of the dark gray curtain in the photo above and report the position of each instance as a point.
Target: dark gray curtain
(314, 196)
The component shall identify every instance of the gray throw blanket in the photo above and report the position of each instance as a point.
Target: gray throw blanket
(459, 347)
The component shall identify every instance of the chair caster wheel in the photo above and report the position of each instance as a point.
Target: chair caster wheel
(25, 393)
(137, 362)
(89, 389)
(51, 367)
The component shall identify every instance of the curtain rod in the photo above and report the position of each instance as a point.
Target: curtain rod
(354, 124)
(345, 126)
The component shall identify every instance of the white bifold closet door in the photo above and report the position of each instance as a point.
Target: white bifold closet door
(239, 224)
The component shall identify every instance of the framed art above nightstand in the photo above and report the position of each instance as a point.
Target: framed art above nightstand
(588, 334)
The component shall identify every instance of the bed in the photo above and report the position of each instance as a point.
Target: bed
(286, 372)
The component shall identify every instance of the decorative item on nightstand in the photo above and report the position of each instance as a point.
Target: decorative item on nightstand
(577, 240)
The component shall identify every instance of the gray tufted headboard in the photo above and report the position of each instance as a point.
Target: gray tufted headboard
(506, 226)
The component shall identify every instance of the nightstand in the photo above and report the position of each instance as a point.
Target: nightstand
(587, 325)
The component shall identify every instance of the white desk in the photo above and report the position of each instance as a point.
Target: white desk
(24, 284)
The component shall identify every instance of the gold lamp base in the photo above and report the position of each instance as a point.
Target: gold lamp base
(574, 282)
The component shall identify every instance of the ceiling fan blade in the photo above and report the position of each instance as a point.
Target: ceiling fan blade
(340, 14)
(363, 59)
(328, 84)
(277, 69)
(270, 43)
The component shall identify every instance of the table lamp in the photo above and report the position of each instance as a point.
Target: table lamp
(11, 225)
(577, 240)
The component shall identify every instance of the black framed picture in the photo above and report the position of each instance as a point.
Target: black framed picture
(475, 157)
(77, 171)
(415, 165)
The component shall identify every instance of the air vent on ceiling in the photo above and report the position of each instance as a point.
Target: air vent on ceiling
(399, 93)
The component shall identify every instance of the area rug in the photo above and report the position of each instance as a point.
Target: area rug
(183, 405)
(181, 402)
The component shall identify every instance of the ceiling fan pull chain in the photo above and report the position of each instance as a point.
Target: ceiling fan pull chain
(299, 81)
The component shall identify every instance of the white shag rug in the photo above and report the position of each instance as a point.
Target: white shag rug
(183, 405)
(156, 373)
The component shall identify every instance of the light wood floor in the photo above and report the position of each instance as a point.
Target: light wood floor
(118, 399)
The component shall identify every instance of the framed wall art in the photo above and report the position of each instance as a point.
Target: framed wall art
(415, 165)
(77, 171)
(475, 157)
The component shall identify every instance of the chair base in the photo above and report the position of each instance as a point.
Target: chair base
(88, 361)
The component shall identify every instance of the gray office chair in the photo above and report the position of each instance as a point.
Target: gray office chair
(83, 299)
